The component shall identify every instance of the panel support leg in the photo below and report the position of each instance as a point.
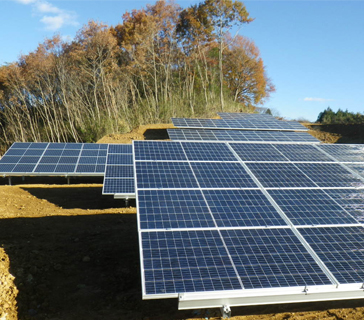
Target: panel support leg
(126, 202)
(23, 178)
(9, 179)
(68, 180)
(225, 311)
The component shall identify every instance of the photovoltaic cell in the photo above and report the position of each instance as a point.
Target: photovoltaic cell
(165, 175)
(330, 175)
(345, 152)
(222, 175)
(301, 152)
(49, 158)
(186, 261)
(161, 209)
(242, 208)
(257, 152)
(119, 171)
(352, 200)
(269, 258)
(310, 207)
(118, 185)
(240, 135)
(154, 150)
(267, 124)
(208, 152)
(280, 175)
(341, 249)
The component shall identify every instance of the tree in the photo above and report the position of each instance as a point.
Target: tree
(244, 72)
(223, 15)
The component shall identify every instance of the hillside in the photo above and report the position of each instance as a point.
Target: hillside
(67, 252)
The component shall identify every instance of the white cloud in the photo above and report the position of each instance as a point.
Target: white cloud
(52, 17)
(45, 7)
(317, 99)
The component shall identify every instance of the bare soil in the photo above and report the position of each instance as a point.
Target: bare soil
(67, 252)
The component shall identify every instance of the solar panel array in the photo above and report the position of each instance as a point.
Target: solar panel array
(240, 135)
(38, 158)
(241, 123)
(222, 218)
(119, 173)
(252, 116)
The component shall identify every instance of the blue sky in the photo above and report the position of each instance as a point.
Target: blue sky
(313, 50)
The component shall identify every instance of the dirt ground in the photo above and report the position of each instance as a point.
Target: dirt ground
(67, 252)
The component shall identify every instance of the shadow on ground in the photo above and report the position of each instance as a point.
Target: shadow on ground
(156, 134)
(50, 180)
(74, 197)
(87, 267)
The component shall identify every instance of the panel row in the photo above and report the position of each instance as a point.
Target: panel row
(241, 123)
(240, 135)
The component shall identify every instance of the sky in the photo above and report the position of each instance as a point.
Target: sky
(313, 50)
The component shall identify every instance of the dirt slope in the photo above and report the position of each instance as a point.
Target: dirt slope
(67, 252)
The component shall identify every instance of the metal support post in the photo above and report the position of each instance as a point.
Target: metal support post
(225, 311)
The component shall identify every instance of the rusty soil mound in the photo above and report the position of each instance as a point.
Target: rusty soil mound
(67, 252)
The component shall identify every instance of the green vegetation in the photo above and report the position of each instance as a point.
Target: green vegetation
(160, 62)
(340, 117)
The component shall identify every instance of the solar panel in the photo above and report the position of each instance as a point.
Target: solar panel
(40, 158)
(300, 152)
(345, 152)
(272, 258)
(352, 200)
(242, 208)
(311, 207)
(227, 220)
(257, 152)
(164, 209)
(241, 115)
(186, 261)
(222, 175)
(240, 135)
(165, 175)
(341, 249)
(238, 124)
(280, 175)
(119, 171)
(328, 175)
(207, 152)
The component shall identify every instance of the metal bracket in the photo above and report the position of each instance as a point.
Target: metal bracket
(225, 311)
(305, 290)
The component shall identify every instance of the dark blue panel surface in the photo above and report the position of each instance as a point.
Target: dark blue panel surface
(345, 152)
(222, 175)
(268, 258)
(23, 168)
(330, 175)
(302, 152)
(45, 168)
(158, 150)
(117, 185)
(28, 160)
(116, 171)
(280, 175)
(341, 249)
(310, 207)
(120, 148)
(257, 152)
(160, 209)
(241, 208)
(186, 261)
(7, 167)
(120, 159)
(352, 200)
(199, 151)
(165, 175)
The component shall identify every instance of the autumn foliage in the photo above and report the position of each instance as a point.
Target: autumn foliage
(160, 62)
